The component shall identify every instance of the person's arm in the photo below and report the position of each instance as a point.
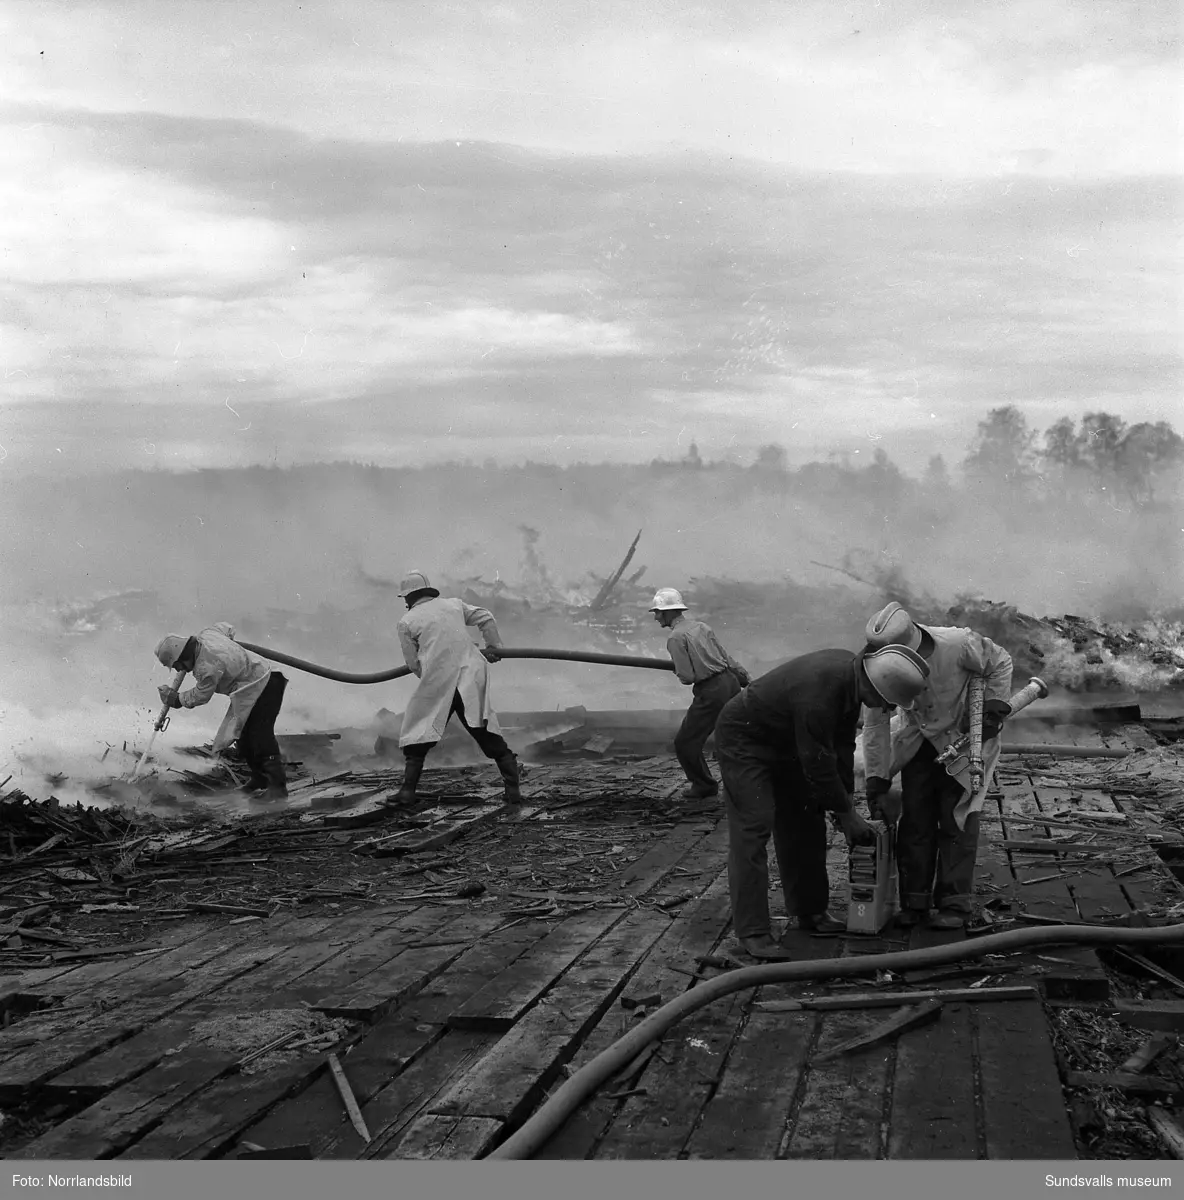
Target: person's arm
(485, 621)
(981, 656)
(826, 752)
(733, 665)
(676, 646)
(829, 768)
(877, 745)
(410, 650)
(206, 675)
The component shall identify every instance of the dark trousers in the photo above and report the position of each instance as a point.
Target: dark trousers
(256, 741)
(766, 793)
(699, 724)
(492, 745)
(935, 858)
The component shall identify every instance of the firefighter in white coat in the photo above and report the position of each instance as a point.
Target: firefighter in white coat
(220, 665)
(937, 841)
(453, 678)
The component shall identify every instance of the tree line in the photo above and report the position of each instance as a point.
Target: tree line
(1102, 450)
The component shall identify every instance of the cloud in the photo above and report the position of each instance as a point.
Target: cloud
(865, 86)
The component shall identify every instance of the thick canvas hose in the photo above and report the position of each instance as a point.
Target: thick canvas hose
(550, 1118)
(585, 656)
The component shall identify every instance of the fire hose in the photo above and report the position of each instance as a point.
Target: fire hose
(534, 1134)
(585, 656)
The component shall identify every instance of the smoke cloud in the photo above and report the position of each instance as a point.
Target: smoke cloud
(306, 560)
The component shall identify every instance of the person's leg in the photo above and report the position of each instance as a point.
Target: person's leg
(801, 839)
(957, 854)
(748, 801)
(916, 837)
(697, 727)
(413, 761)
(494, 747)
(257, 739)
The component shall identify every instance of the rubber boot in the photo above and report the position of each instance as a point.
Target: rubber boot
(256, 783)
(412, 769)
(277, 780)
(508, 766)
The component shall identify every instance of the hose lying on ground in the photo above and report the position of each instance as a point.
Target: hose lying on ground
(536, 1131)
(1037, 748)
(585, 656)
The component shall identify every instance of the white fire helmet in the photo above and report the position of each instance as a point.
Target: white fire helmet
(897, 673)
(169, 649)
(892, 626)
(415, 581)
(667, 600)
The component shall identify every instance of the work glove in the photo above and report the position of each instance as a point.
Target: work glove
(168, 696)
(742, 675)
(882, 803)
(492, 654)
(995, 712)
(855, 829)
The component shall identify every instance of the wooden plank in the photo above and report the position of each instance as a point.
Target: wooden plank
(1169, 1131)
(391, 1050)
(437, 835)
(509, 1080)
(210, 1120)
(843, 1100)
(39, 1064)
(113, 1123)
(1152, 1014)
(377, 992)
(1097, 894)
(127, 1059)
(438, 1137)
(1125, 1081)
(380, 941)
(643, 875)
(911, 1016)
(392, 1110)
(303, 951)
(512, 991)
(116, 981)
(933, 1111)
(695, 932)
(73, 977)
(746, 1117)
(677, 1082)
(1023, 1108)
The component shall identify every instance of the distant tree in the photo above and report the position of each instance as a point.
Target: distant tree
(882, 475)
(692, 458)
(937, 474)
(1146, 452)
(1100, 442)
(1062, 445)
(1004, 448)
(771, 458)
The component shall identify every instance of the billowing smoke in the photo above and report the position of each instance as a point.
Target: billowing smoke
(307, 561)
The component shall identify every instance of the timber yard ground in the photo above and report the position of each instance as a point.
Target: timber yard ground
(176, 979)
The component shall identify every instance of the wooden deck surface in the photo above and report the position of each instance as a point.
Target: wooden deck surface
(455, 1020)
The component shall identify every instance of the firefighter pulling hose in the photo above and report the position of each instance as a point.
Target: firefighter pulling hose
(436, 648)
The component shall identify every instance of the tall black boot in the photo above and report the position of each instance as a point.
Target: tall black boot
(508, 766)
(412, 769)
(277, 779)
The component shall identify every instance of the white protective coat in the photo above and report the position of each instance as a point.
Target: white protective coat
(222, 666)
(434, 636)
(958, 655)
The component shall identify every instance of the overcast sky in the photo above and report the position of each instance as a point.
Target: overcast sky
(398, 232)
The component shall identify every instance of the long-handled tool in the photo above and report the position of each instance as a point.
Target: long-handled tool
(969, 746)
(162, 721)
